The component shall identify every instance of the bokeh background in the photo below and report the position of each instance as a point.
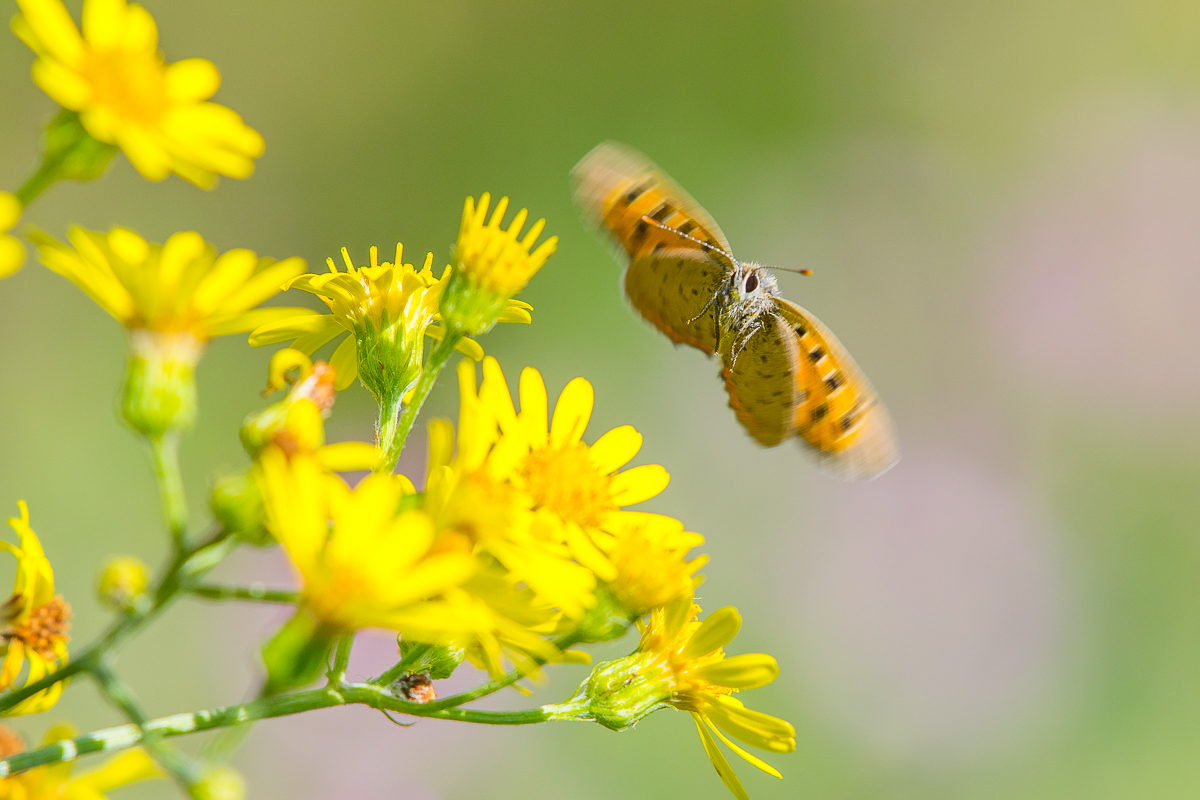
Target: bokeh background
(1001, 205)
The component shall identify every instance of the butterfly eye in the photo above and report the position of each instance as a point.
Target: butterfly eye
(751, 282)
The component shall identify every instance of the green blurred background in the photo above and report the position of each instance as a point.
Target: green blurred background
(1001, 205)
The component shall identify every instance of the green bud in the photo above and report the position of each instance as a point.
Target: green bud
(236, 503)
(437, 662)
(389, 357)
(468, 308)
(122, 583)
(619, 693)
(159, 394)
(71, 152)
(220, 782)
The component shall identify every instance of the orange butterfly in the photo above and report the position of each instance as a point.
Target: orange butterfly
(786, 373)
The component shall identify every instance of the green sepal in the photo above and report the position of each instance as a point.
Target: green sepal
(605, 621)
(298, 654)
(437, 662)
(75, 154)
(236, 503)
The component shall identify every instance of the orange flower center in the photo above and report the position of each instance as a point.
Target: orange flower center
(130, 82)
(47, 626)
(564, 480)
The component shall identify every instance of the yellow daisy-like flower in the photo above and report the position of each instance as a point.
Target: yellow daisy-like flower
(649, 553)
(12, 252)
(54, 781)
(689, 655)
(532, 493)
(491, 265)
(364, 563)
(388, 309)
(36, 620)
(173, 298)
(126, 94)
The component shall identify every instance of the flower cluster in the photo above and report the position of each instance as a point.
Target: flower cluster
(523, 540)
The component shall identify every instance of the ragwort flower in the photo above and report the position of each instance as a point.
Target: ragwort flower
(54, 781)
(365, 563)
(491, 265)
(126, 95)
(172, 298)
(688, 655)
(12, 252)
(36, 620)
(532, 494)
(388, 309)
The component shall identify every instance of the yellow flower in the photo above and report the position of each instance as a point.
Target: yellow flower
(12, 252)
(54, 781)
(649, 554)
(531, 493)
(689, 655)
(491, 265)
(127, 95)
(35, 620)
(173, 298)
(388, 309)
(122, 583)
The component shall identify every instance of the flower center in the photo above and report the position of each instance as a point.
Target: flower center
(47, 625)
(565, 481)
(130, 82)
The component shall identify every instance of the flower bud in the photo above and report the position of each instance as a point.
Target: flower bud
(122, 583)
(220, 782)
(160, 381)
(619, 693)
(236, 503)
(77, 155)
(437, 662)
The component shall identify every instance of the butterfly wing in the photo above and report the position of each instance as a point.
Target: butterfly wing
(759, 375)
(837, 411)
(675, 290)
(616, 186)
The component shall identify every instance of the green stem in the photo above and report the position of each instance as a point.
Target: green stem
(255, 592)
(124, 736)
(180, 767)
(165, 451)
(186, 569)
(43, 179)
(392, 444)
(495, 685)
(341, 660)
(403, 665)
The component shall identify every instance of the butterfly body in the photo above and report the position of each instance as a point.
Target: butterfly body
(786, 374)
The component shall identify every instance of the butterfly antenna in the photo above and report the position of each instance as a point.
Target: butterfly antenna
(652, 221)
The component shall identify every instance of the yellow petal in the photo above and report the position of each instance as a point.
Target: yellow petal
(54, 28)
(12, 255)
(103, 23)
(147, 156)
(715, 632)
(441, 444)
(267, 283)
(752, 727)
(292, 327)
(614, 449)
(752, 759)
(64, 86)
(533, 407)
(571, 413)
(140, 31)
(192, 79)
(129, 767)
(10, 210)
(345, 363)
(748, 671)
(638, 484)
(718, 761)
(347, 456)
(228, 273)
(253, 320)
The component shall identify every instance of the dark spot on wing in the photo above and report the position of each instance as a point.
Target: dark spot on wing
(636, 192)
(833, 381)
(819, 412)
(816, 354)
(801, 330)
(662, 212)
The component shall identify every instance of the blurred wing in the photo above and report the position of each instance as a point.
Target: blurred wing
(675, 290)
(763, 391)
(615, 186)
(837, 411)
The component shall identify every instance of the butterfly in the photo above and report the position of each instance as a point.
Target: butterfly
(786, 373)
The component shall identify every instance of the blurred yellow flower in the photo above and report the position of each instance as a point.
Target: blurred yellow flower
(182, 286)
(531, 493)
(126, 94)
(689, 655)
(386, 308)
(12, 252)
(35, 620)
(649, 553)
(490, 265)
(54, 781)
